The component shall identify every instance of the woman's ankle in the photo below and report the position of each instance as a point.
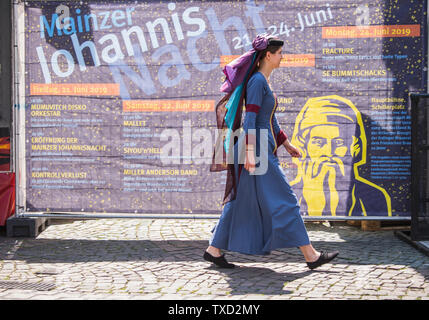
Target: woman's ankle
(310, 254)
(215, 252)
(312, 257)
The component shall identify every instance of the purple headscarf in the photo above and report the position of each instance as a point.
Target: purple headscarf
(236, 70)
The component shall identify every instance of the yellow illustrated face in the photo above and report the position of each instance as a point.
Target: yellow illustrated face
(326, 141)
(330, 132)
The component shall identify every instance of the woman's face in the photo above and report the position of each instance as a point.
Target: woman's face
(275, 58)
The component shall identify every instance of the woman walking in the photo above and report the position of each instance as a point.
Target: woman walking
(261, 211)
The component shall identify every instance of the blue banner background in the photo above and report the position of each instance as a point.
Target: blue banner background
(181, 60)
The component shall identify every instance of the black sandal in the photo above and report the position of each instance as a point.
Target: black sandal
(325, 257)
(219, 261)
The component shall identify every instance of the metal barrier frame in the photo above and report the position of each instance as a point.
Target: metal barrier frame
(416, 232)
(18, 143)
(187, 216)
(18, 96)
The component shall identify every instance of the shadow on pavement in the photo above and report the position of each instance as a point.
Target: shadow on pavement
(257, 280)
(362, 252)
(380, 250)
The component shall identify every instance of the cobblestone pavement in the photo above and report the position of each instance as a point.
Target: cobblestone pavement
(162, 259)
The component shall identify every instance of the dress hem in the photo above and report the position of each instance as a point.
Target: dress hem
(261, 253)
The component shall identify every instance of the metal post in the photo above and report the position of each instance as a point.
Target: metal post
(19, 104)
(15, 102)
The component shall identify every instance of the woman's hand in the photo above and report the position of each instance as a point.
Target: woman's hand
(293, 151)
(249, 163)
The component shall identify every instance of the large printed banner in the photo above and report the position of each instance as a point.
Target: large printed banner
(111, 86)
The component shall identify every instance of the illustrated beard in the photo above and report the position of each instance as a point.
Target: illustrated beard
(317, 166)
(326, 184)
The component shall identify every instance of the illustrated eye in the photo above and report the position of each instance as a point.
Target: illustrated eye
(318, 141)
(339, 142)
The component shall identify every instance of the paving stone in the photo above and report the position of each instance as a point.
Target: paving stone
(162, 259)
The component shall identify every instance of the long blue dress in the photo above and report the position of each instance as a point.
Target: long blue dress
(264, 215)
